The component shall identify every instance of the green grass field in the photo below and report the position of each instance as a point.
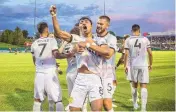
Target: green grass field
(17, 83)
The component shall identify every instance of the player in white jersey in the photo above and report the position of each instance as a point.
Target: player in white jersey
(45, 52)
(108, 70)
(121, 61)
(136, 49)
(89, 64)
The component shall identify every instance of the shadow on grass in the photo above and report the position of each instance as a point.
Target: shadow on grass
(21, 100)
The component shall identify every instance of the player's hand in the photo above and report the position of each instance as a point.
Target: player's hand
(82, 44)
(126, 69)
(90, 40)
(53, 10)
(150, 68)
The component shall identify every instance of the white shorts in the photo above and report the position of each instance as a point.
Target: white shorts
(140, 75)
(107, 87)
(47, 83)
(71, 76)
(128, 74)
(86, 84)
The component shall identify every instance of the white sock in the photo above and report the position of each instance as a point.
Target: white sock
(51, 106)
(37, 106)
(134, 95)
(112, 110)
(59, 106)
(144, 95)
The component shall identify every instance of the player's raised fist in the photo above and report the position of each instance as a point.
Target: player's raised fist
(53, 10)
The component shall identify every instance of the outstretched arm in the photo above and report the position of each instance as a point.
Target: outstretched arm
(58, 32)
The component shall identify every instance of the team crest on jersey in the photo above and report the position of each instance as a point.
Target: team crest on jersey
(70, 100)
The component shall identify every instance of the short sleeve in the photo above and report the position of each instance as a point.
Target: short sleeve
(32, 48)
(112, 42)
(148, 43)
(53, 44)
(76, 38)
(127, 44)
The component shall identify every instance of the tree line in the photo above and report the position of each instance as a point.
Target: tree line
(16, 37)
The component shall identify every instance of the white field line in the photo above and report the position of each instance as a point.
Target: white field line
(3, 95)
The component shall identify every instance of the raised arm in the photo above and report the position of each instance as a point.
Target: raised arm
(58, 32)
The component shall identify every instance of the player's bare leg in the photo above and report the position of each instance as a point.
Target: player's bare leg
(74, 108)
(97, 105)
(144, 95)
(134, 95)
(114, 88)
(131, 86)
(37, 105)
(107, 103)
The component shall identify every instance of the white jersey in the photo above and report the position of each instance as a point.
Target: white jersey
(137, 46)
(71, 62)
(109, 64)
(42, 51)
(89, 58)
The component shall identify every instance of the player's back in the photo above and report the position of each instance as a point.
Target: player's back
(137, 46)
(42, 49)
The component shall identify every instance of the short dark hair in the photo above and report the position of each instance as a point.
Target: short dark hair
(135, 27)
(105, 17)
(41, 26)
(85, 17)
(75, 30)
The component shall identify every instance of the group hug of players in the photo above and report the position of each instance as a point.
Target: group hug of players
(91, 65)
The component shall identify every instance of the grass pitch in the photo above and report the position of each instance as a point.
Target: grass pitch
(17, 83)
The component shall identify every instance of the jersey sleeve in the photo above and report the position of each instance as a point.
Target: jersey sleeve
(75, 39)
(127, 44)
(112, 42)
(53, 44)
(32, 48)
(148, 43)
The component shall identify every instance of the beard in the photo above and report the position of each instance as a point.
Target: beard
(100, 30)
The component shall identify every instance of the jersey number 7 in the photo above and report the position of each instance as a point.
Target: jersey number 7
(137, 44)
(43, 45)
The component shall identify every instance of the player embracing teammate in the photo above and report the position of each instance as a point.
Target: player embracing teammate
(94, 60)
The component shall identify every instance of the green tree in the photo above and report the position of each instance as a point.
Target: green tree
(25, 33)
(18, 38)
(10, 39)
(5, 35)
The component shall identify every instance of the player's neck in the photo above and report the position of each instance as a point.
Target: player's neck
(136, 34)
(44, 35)
(89, 35)
(103, 34)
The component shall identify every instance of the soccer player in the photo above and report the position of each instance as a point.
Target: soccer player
(45, 52)
(121, 61)
(108, 70)
(136, 49)
(89, 64)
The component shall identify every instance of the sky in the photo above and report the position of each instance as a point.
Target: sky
(151, 15)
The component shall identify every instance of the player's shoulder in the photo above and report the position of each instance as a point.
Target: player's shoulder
(111, 37)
